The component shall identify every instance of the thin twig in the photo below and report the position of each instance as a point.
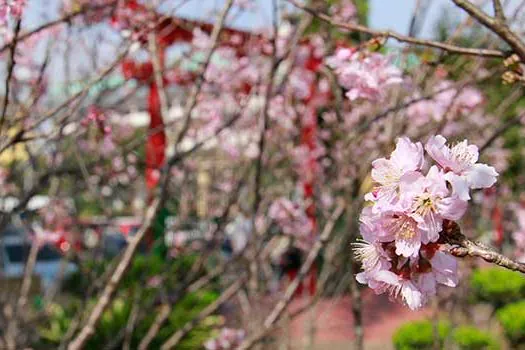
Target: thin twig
(494, 25)
(498, 11)
(264, 125)
(66, 18)
(10, 68)
(400, 37)
(192, 100)
(188, 327)
(281, 306)
(103, 301)
(460, 246)
(157, 72)
(500, 131)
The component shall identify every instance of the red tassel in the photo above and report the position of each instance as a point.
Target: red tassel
(156, 144)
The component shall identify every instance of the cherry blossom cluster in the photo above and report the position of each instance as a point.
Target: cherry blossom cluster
(97, 116)
(400, 251)
(365, 75)
(292, 220)
(447, 99)
(11, 8)
(344, 11)
(228, 338)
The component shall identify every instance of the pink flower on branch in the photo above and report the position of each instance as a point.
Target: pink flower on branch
(364, 75)
(461, 166)
(401, 252)
(11, 8)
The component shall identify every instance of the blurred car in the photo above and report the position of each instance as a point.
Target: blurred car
(113, 244)
(14, 251)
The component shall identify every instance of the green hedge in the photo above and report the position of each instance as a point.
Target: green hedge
(498, 286)
(472, 338)
(419, 335)
(512, 319)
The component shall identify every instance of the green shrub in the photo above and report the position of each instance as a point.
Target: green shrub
(419, 335)
(498, 286)
(52, 330)
(512, 318)
(472, 338)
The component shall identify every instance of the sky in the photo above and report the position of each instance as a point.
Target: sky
(396, 15)
(391, 14)
(383, 14)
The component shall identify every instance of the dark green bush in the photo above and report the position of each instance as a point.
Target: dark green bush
(498, 286)
(512, 319)
(115, 318)
(472, 338)
(419, 335)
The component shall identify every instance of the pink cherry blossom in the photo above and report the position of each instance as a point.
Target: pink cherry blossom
(364, 76)
(228, 338)
(12, 8)
(460, 165)
(292, 220)
(397, 287)
(447, 99)
(431, 202)
(401, 251)
(404, 161)
(344, 11)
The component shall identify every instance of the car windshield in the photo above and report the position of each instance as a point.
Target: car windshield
(18, 253)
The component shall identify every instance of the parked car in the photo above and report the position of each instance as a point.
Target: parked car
(14, 252)
(113, 243)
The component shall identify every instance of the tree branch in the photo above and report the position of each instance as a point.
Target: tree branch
(461, 246)
(227, 295)
(400, 37)
(89, 328)
(10, 68)
(498, 11)
(66, 18)
(281, 306)
(495, 25)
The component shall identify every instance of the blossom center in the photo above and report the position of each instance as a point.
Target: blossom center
(462, 155)
(425, 204)
(403, 226)
(366, 253)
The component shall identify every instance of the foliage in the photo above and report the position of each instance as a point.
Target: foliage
(471, 338)
(497, 286)
(512, 318)
(419, 335)
(115, 319)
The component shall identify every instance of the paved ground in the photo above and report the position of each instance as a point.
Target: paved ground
(334, 323)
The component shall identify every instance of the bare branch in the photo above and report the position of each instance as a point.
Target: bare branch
(10, 68)
(498, 11)
(400, 37)
(496, 26)
(105, 298)
(66, 18)
(225, 296)
(461, 246)
(281, 306)
(192, 100)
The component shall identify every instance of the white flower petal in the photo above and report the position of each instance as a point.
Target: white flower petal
(460, 186)
(411, 295)
(481, 176)
(452, 208)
